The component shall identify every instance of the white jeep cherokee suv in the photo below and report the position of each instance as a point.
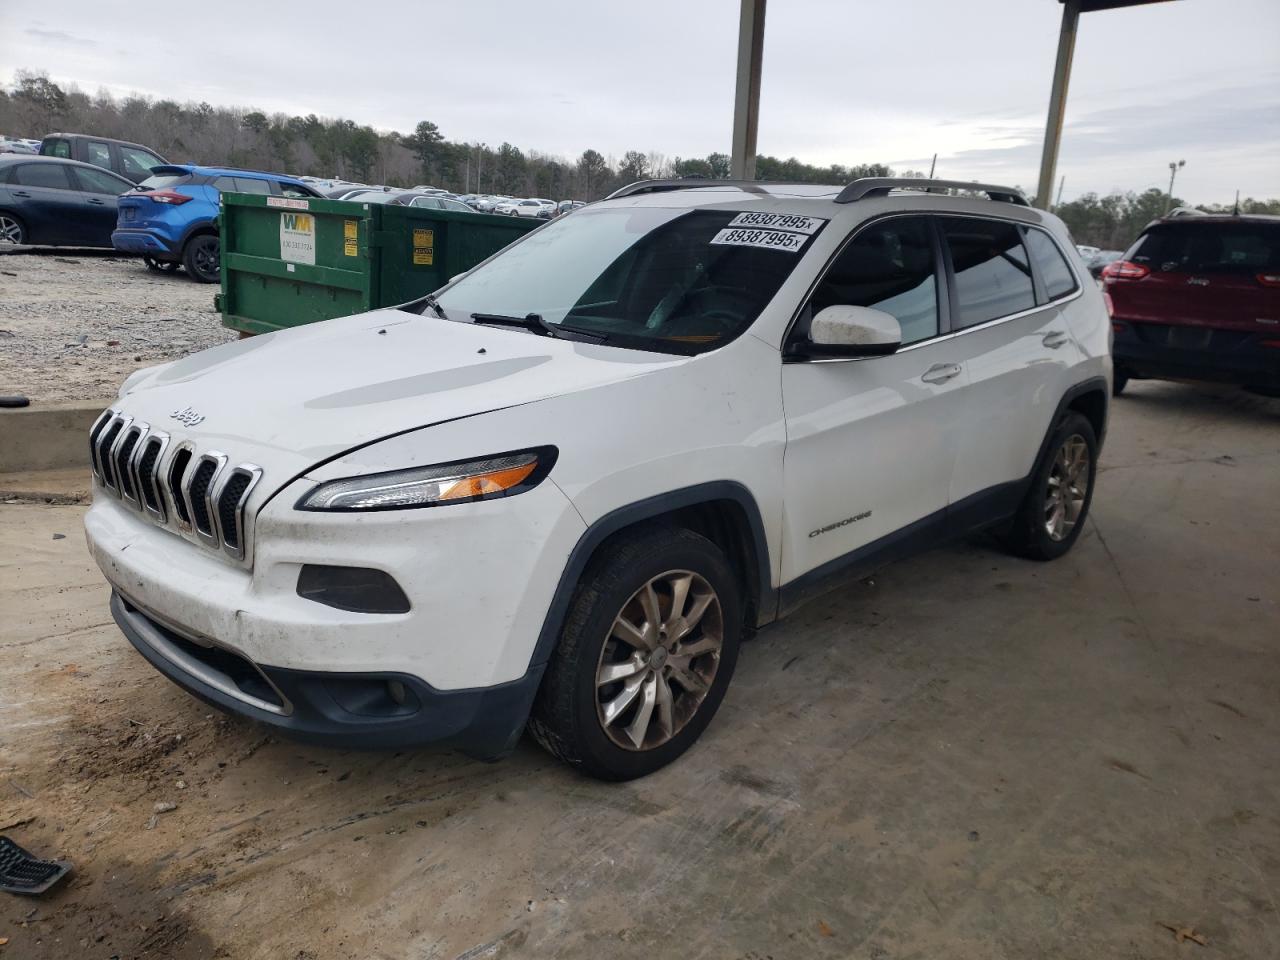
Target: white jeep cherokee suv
(559, 493)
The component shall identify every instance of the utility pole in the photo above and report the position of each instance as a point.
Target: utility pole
(1057, 102)
(746, 105)
(1173, 172)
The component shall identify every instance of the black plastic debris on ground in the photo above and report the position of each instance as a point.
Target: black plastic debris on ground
(20, 872)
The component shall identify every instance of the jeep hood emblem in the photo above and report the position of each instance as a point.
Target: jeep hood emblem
(188, 416)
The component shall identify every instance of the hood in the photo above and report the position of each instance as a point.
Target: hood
(290, 399)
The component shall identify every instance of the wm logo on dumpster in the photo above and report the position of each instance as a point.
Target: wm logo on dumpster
(298, 238)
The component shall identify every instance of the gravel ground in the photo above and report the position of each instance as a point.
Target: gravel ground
(74, 324)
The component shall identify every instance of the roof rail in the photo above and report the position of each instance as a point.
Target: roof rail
(880, 187)
(684, 183)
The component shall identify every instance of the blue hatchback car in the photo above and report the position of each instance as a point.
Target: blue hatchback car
(172, 216)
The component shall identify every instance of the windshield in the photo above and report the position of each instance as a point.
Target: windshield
(674, 281)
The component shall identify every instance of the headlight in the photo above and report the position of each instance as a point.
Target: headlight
(499, 476)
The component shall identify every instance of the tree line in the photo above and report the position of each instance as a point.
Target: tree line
(326, 147)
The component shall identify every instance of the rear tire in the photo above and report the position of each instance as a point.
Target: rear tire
(647, 651)
(200, 257)
(12, 229)
(1056, 506)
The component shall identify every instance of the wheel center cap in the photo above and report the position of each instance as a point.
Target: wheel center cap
(658, 658)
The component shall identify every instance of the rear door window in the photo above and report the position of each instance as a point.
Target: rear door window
(992, 272)
(137, 162)
(1223, 248)
(98, 181)
(51, 175)
(98, 153)
(889, 266)
(1058, 278)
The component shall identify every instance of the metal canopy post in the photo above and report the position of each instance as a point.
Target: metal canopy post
(746, 106)
(1057, 103)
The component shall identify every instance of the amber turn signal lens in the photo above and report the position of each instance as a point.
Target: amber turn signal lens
(487, 484)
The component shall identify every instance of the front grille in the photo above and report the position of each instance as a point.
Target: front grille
(196, 492)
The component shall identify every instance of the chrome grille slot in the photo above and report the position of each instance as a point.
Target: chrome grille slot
(108, 440)
(177, 472)
(200, 497)
(122, 462)
(230, 502)
(147, 476)
(95, 432)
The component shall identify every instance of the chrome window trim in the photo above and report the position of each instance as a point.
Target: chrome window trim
(942, 337)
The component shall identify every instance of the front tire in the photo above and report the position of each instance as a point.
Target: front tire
(1054, 510)
(648, 649)
(1119, 380)
(200, 257)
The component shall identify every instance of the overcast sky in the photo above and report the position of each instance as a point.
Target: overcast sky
(847, 81)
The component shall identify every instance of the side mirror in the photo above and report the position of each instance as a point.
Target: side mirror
(847, 331)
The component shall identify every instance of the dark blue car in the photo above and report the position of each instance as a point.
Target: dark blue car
(57, 202)
(172, 217)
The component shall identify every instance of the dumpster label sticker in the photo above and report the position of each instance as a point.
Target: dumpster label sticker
(778, 221)
(298, 237)
(766, 239)
(424, 253)
(350, 229)
(290, 202)
(350, 238)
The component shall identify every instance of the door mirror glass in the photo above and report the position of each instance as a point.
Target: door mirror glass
(847, 331)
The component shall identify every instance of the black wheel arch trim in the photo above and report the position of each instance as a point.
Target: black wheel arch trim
(652, 508)
(197, 229)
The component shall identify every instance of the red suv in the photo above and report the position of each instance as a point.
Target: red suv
(1198, 298)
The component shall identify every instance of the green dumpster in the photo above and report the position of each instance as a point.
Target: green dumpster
(287, 261)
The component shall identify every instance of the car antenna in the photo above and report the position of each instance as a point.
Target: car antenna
(1235, 211)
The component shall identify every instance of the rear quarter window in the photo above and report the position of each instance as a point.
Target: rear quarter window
(1243, 248)
(1058, 278)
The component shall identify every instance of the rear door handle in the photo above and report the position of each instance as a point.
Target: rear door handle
(941, 372)
(96, 202)
(1055, 339)
(22, 193)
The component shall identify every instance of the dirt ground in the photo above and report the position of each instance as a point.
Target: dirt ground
(75, 323)
(966, 756)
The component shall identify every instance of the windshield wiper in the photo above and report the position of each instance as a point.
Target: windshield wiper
(530, 321)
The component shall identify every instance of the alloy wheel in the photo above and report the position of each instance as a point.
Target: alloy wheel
(10, 230)
(659, 661)
(1067, 488)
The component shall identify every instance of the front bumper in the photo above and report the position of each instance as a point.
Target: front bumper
(380, 711)
(142, 241)
(1169, 352)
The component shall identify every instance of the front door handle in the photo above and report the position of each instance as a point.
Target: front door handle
(21, 193)
(96, 202)
(941, 372)
(1055, 339)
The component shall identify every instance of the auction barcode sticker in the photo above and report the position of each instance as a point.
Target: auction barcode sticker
(767, 239)
(779, 221)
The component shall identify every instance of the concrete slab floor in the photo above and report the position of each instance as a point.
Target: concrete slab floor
(969, 756)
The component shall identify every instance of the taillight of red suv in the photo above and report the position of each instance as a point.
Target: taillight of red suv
(1124, 270)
